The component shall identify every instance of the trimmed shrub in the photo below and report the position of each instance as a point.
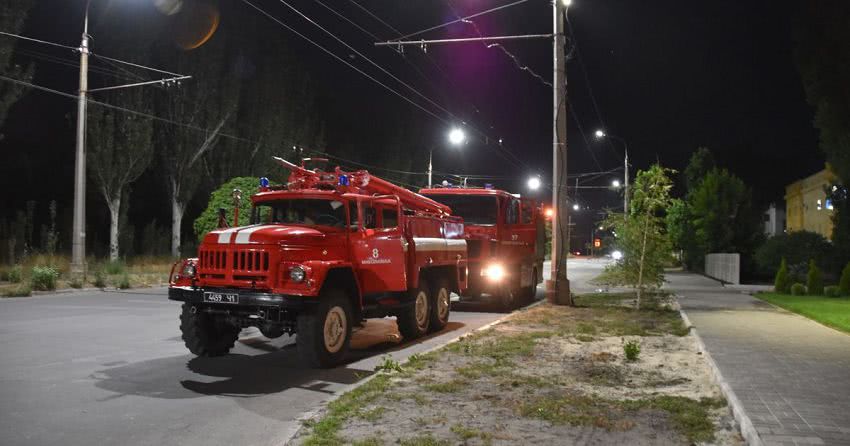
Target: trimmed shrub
(16, 274)
(844, 283)
(798, 289)
(782, 283)
(23, 290)
(832, 291)
(44, 278)
(814, 280)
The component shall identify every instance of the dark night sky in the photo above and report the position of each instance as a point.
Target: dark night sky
(667, 75)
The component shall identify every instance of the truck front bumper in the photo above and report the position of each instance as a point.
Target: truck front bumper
(246, 298)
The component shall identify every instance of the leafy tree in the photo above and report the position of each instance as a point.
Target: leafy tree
(723, 217)
(814, 280)
(797, 248)
(642, 237)
(681, 231)
(782, 282)
(222, 198)
(120, 150)
(701, 163)
(13, 13)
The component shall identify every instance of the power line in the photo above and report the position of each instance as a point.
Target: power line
(58, 45)
(461, 19)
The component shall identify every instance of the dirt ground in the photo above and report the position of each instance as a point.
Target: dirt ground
(548, 375)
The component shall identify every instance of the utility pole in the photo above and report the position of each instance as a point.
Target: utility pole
(78, 236)
(558, 288)
(430, 165)
(626, 191)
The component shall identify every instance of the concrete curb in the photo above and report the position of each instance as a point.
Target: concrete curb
(290, 434)
(748, 431)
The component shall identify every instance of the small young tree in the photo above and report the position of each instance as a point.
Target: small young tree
(782, 283)
(814, 280)
(844, 282)
(642, 237)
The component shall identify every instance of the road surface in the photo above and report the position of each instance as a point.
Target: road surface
(110, 368)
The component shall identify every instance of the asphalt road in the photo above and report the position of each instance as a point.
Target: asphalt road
(110, 368)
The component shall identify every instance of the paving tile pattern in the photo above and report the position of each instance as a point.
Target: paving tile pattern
(791, 374)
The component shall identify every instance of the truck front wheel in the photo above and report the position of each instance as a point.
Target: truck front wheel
(415, 319)
(324, 334)
(205, 334)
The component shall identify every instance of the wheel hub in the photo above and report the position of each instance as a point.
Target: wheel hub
(335, 329)
(421, 309)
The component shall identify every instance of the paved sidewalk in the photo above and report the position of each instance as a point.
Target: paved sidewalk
(792, 375)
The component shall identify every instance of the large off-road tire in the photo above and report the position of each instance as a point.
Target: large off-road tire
(415, 319)
(324, 332)
(206, 334)
(508, 299)
(441, 304)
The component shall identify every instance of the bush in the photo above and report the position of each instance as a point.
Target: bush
(99, 279)
(798, 289)
(797, 248)
(844, 282)
(76, 282)
(782, 283)
(22, 290)
(832, 291)
(114, 267)
(16, 274)
(123, 283)
(223, 198)
(814, 280)
(631, 350)
(44, 278)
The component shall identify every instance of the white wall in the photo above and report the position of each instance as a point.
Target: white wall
(724, 266)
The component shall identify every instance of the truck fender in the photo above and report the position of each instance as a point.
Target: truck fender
(343, 277)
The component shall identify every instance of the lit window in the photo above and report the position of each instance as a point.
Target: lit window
(829, 204)
(820, 204)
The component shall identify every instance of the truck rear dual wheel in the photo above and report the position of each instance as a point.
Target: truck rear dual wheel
(324, 333)
(206, 334)
(415, 319)
(440, 306)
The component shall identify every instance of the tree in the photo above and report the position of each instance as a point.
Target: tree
(782, 282)
(120, 150)
(681, 231)
(701, 163)
(844, 282)
(814, 280)
(723, 217)
(797, 248)
(13, 13)
(641, 237)
(222, 198)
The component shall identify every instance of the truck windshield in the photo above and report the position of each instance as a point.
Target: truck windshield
(301, 211)
(475, 209)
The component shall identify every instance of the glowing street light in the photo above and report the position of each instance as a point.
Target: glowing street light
(615, 184)
(576, 207)
(534, 183)
(457, 136)
(600, 134)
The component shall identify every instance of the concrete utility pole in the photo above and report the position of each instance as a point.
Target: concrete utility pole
(78, 236)
(558, 288)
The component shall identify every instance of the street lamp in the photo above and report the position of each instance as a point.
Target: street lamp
(576, 207)
(601, 134)
(534, 183)
(456, 137)
(615, 184)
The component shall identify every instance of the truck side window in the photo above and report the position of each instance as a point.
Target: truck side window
(527, 212)
(511, 216)
(389, 218)
(370, 216)
(352, 211)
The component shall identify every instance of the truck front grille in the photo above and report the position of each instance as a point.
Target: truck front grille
(235, 267)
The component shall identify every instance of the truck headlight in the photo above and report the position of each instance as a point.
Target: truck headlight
(189, 270)
(494, 272)
(297, 274)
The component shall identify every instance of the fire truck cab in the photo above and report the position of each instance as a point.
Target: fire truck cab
(506, 242)
(321, 254)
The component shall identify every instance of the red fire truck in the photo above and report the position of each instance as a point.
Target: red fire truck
(321, 254)
(505, 237)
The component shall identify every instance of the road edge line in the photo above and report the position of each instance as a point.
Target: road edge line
(748, 431)
(290, 434)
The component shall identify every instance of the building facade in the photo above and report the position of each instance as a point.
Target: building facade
(806, 205)
(774, 221)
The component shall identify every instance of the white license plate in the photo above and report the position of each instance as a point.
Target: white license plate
(221, 298)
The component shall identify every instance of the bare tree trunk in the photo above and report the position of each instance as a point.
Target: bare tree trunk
(114, 208)
(642, 258)
(177, 210)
